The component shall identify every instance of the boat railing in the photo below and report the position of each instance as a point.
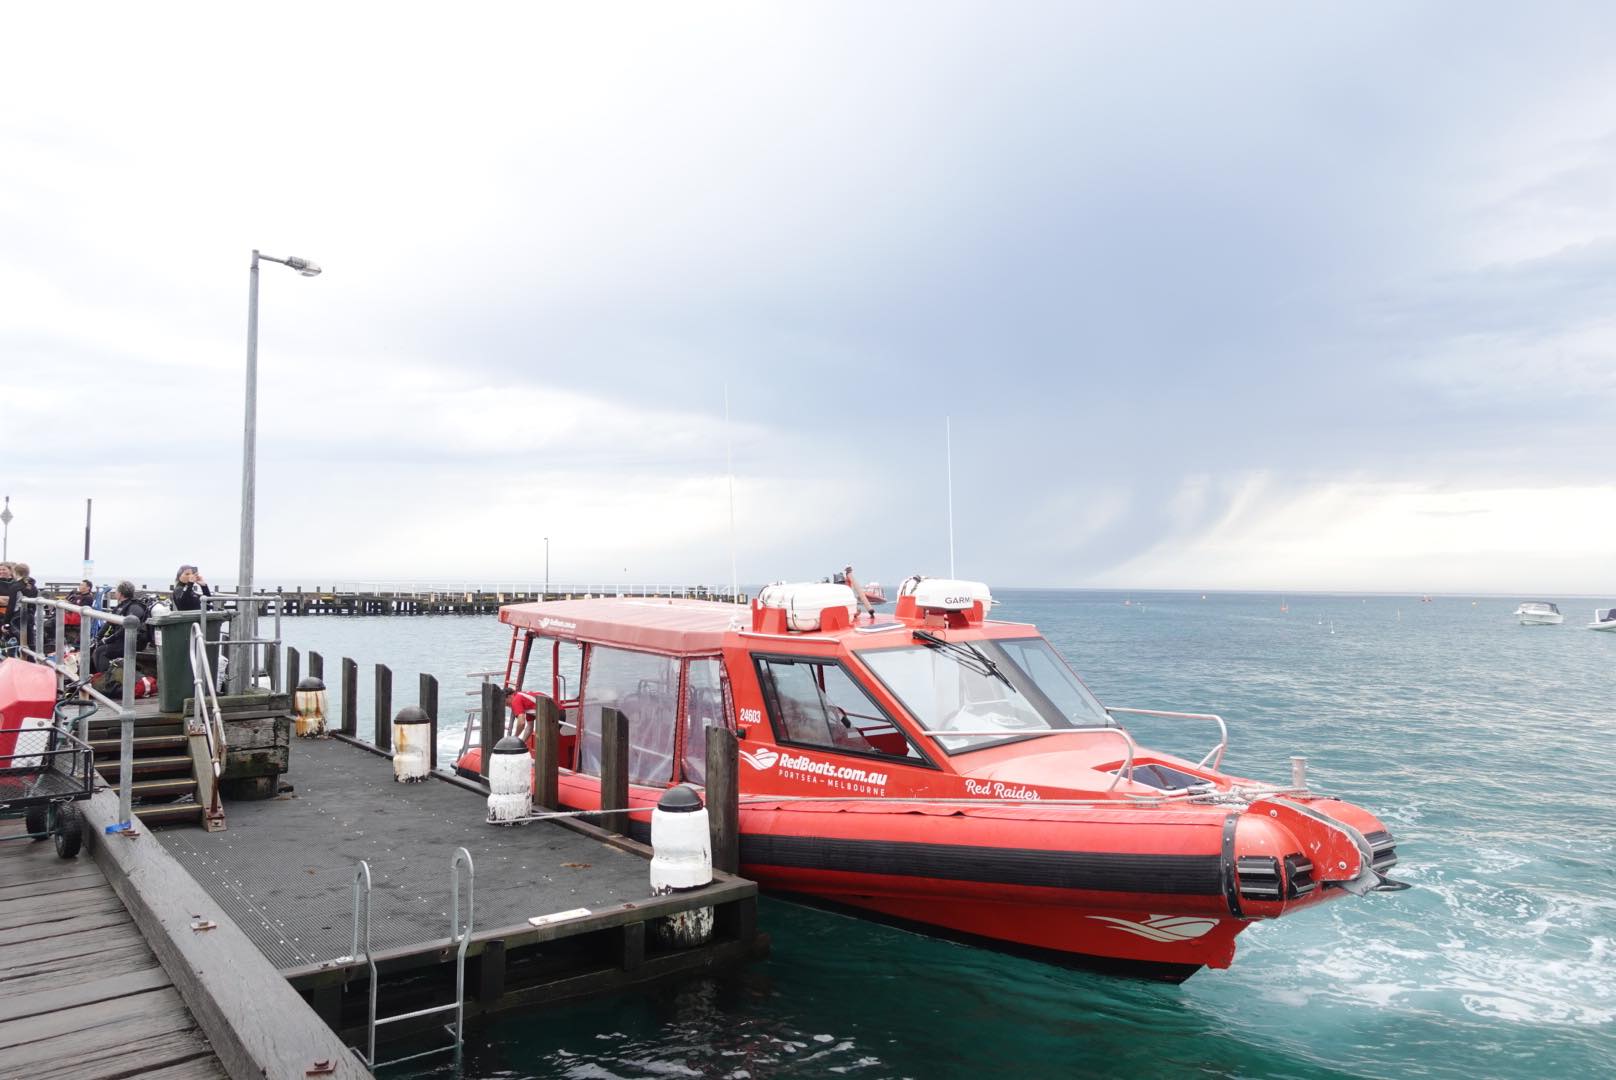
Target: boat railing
(1213, 757)
(1125, 770)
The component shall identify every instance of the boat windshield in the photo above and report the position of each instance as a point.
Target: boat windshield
(988, 691)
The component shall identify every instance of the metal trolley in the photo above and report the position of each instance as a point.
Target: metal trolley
(46, 772)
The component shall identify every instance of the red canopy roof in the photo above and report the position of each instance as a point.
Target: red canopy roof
(681, 627)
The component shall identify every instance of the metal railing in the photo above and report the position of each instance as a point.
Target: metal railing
(207, 716)
(125, 709)
(243, 651)
(1213, 757)
(429, 589)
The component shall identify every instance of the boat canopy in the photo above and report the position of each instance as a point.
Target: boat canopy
(1605, 614)
(673, 627)
(1540, 605)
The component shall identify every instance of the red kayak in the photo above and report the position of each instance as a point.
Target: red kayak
(940, 770)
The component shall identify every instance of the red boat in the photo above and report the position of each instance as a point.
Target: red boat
(941, 770)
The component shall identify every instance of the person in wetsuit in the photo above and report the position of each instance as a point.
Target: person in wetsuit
(109, 645)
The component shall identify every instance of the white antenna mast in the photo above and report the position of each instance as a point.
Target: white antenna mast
(948, 435)
(729, 467)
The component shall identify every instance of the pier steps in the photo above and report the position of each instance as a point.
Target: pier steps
(164, 786)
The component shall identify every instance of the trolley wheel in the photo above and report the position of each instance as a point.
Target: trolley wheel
(69, 830)
(38, 822)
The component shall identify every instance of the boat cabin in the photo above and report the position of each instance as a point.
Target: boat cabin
(935, 699)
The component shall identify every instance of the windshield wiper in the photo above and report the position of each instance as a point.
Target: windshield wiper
(968, 654)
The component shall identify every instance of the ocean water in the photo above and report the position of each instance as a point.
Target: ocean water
(1489, 748)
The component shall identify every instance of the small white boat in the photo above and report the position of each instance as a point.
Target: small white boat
(1539, 613)
(1604, 619)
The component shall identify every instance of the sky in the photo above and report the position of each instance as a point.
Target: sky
(1237, 296)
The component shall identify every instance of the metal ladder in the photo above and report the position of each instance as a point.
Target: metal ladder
(458, 935)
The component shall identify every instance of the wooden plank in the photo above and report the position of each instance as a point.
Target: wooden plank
(38, 975)
(73, 906)
(43, 883)
(158, 1011)
(383, 737)
(29, 951)
(75, 994)
(116, 1051)
(258, 1025)
(206, 1067)
(614, 769)
(77, 925)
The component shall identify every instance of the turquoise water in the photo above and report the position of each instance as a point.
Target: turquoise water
(1489, 748)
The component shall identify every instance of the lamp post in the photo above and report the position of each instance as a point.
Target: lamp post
(5, 545)
(546, 567)
(246, 614)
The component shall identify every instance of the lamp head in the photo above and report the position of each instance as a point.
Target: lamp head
(304, 266)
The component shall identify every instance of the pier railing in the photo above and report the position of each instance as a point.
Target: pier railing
(78, 678)
(247, 655)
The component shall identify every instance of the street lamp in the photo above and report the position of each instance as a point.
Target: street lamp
(5, 516)
(546, 566)
(246, 614)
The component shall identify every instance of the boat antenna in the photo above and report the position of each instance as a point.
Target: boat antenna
(729, 467)
(948, 437)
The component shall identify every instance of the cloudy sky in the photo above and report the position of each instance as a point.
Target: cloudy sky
(1214, 296)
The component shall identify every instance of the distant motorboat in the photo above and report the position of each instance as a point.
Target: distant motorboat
(874, 593)
(1604, 619)
(1539, 613)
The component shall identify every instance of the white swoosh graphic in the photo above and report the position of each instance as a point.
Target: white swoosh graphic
(1164, 928)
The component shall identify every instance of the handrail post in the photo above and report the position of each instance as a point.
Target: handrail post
(126, 723)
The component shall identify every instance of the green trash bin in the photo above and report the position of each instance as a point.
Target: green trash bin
(175, 680)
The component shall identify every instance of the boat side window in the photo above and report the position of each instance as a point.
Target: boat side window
(706, 705)
(645, 688)
(817, 703)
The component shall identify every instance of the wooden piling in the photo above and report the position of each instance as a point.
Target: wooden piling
(547, 755)
(428, 697)
(316, 666)
(350, 699)
(493, 722)
(614, 769)
(384, 708)
(723, 799)
(294, 669)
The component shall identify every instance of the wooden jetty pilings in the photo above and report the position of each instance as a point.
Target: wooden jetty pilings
(463, 599)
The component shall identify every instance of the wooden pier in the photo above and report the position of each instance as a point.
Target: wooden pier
(82, 994)
(377, 599)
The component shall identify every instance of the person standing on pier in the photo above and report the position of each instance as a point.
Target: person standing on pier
(21, 585)
(189, 589)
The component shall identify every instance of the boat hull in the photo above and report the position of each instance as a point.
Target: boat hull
(1158, 893)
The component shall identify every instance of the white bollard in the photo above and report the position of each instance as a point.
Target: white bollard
(681, 858)
(1299, 773)
(309, 704)
(411, 732)
(510, 782)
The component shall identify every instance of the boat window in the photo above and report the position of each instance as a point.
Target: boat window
(992, 690)
(705, 707)
(817, 703)
(645, 687)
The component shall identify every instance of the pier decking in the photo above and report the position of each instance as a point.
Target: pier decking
(82, 995)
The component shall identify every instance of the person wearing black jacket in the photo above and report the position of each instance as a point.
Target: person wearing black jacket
(109, 645)
(189, 589)
(21, 616)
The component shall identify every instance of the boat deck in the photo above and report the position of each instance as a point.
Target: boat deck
(82, 995)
